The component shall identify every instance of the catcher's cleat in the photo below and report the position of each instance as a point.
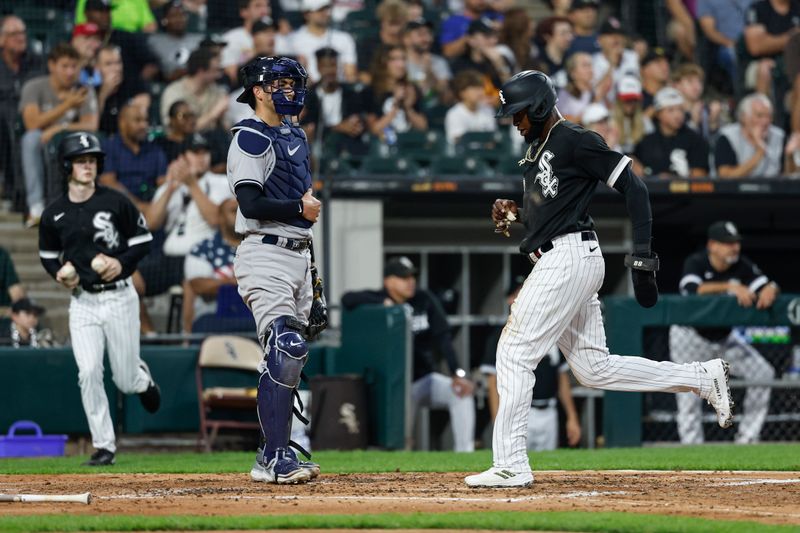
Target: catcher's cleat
(720, 395)
(500, 478)
(281, 469)
(257, 471)
(101, 457)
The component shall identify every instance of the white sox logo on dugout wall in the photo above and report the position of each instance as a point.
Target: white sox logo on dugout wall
(105, 230)
(545, 177)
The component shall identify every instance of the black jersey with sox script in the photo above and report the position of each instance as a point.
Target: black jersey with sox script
(107, 223)
(560, 181)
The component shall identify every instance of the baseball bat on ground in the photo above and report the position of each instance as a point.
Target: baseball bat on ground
(30, 498)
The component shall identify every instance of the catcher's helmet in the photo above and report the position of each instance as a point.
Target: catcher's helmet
(529, 89)
(77, 144)
(263, 70)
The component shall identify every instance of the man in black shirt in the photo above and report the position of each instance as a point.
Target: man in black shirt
(720, 269)
(431, 339)
(90, 240)
(769, 26)
(558, 303)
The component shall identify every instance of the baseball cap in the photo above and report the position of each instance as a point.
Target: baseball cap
(594, 113)
(87, 29)
(580, 4)
(629, 88)
(197, 142)
(213, 40)
(666, 97)
(26, 304)
(724, 231)
(263, 25)
(481, 25)
(611, 26)
(314, 5)
(654, 54)
(414, 24)
(402, 267)
(98, 5)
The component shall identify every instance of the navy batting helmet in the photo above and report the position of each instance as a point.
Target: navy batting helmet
(263, 70)
(529, 89)
(78, 144)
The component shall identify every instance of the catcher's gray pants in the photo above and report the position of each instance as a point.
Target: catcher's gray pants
(107, 320)
(273, 282)
(685, 344)
(436, 390)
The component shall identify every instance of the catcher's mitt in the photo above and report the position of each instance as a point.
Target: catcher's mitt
(318, 318)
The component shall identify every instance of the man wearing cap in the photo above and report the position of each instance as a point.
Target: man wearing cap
(23, 327)
(720, 269)
(481, 54)
(432, 340)
(316, 33)
(172, 44)
(597, 118)
(613, 60)
(672, 149)
(454, 30)
(654, 72)
(87, 40)
(627, 114)
(428, 71)
(133, 17)
(583, 14)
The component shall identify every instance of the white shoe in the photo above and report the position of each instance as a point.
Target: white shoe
(499, 478)
(720, 396)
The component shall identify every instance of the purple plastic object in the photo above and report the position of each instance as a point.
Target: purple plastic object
(13, 445)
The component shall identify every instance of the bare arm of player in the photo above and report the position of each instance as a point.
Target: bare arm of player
(767, 295)
(568, 403)
(744, 295)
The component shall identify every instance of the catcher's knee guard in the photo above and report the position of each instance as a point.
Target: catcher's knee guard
(285, 355)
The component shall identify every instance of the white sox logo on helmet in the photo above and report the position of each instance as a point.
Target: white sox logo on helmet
(84, 140)
(545, 176)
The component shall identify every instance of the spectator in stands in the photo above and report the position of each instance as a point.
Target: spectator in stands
(583, 15)
(332, 106)
(182, 125)
(186, 206)
(431, 334)
(752, 146)
(11, 289)
(627, 114)
(578, 92)
(392, 17)
(115, 90)
(556, 32)
(655, 73)
(596, 118)
(722, 23)
(239, 41)
(516, 39)
(137, 58)
(394, 103)
(454, 32)
(770, 24)
(132, 16)
(559, 8)
(133, 165)
(428, 71)
(672, 149)
(173, 45)
(680, 29)
(17, 65)
(792, 60)
(86, 40)
(614, 60)
(471, 113)
(50, 105)
(23, 328)
(200, 90)
(703, 117)
(482, 55)
(721, 270)
(209, 271)
(264, 33)
(316, 34)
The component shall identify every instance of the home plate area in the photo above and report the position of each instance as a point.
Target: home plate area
(767, 497)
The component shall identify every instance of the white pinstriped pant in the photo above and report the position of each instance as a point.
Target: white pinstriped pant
(558, 304)
(106, 320)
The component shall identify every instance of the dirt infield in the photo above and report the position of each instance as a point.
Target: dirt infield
(767, 497)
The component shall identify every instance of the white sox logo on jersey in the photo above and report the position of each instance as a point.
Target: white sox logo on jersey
(105, 230)
(545, 177)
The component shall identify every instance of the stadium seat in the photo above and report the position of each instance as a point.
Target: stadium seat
(421, 146)
(337, 167)
(436, 116)
(360, 20)
(487, 145)
(463, 166)
(386, 165)
(47, 24)
(226, 365)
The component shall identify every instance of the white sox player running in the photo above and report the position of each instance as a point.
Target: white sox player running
(90, 241)
(558, 302)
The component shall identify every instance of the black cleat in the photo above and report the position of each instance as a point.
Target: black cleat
(150, 398)
(101, 457)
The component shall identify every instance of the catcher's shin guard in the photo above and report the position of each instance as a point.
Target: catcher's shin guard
(286, 354)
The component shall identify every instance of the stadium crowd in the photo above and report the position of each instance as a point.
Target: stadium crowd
(399, 86)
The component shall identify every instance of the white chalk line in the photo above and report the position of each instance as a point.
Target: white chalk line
(758, 482)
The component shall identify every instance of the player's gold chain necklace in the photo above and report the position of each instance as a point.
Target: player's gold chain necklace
(527, 158)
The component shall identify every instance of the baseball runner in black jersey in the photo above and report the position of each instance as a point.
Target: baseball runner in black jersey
(90, 240)
(721, 269)
(558, 303)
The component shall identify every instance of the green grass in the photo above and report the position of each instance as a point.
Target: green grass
(718, 457)
(549, 521)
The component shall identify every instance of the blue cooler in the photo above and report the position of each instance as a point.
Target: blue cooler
(14, 445)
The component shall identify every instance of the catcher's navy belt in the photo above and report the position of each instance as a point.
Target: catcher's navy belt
(298, 245)
(546, 247)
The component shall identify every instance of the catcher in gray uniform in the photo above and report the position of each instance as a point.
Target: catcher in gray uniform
(269, 171)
